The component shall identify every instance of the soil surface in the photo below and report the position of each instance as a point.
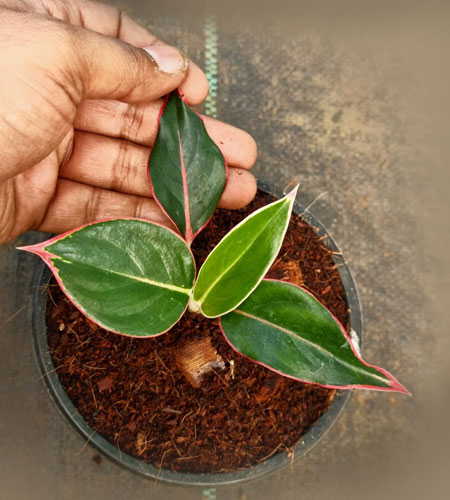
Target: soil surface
(133, 392)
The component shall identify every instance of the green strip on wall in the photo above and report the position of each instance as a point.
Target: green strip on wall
(210, 32)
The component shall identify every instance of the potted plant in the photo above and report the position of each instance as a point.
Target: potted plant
(137, 279)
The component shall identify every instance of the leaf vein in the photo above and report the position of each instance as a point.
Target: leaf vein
(138, 278)
(306, 341)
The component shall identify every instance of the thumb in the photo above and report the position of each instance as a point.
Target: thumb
(107, 68)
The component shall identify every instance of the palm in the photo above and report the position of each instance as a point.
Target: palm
(33, 191)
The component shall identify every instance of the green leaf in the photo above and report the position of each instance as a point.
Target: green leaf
(129, 276)
(239, 262)
(186, 169)
(284, 328)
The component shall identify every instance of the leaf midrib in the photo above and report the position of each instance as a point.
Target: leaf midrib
(187, 208)
(306, 341)
(159, 284)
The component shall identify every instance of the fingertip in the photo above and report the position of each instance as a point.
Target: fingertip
(195, 88)
(249, 152)
(238, 147)
(252, 188)
(168, 59)
(240, 189)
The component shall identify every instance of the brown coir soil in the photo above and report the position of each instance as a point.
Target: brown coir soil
(132, 392)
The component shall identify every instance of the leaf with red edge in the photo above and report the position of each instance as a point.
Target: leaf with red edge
(286, 329)
(187, 171)
(129, 276)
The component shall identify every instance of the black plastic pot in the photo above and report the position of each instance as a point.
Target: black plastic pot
(65, 405)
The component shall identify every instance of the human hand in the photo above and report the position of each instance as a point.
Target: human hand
(79, 105)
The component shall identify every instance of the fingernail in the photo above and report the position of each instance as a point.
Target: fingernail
(168, 59)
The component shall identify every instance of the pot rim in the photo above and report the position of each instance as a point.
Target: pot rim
(308, 440)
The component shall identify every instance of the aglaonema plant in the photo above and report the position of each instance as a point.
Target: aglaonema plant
(137, 278)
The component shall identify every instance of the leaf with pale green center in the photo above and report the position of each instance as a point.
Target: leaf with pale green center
(186, 169)
(286, 329)
(241, 259)
(129, 276)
